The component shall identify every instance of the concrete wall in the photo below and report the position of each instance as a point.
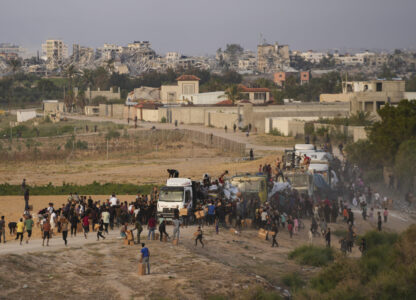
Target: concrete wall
(220, 120)
(164, 93)
(53, 107)
(90, 110)
(107, 94)
(354, 132)
(149, 115)
(25, 115)
(115, 111)
(129, 113)
(285, 126)
(359, 133)
(256, 115)
(334, 97)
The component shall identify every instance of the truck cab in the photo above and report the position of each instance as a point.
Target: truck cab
(175, 194)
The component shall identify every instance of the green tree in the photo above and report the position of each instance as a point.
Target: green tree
(397, 125)
(15, 64)
(405, 162)
(233, 93)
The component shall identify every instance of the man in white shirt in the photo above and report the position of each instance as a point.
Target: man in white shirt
(113, 200)
(105, 216)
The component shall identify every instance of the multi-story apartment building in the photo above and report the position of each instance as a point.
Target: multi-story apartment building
(55, 51)
(272, 58)
(10, 51)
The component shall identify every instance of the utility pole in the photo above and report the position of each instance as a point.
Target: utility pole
(107, 149)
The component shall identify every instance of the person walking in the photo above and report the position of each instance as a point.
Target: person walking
(379, 222)
(199, 234)
(162, 230)
(28, 226)
(26, 197)
(275, 230)
(100, 230)
(3, 229)
(46, 228)
(86, 225)
(176, 228)
(105, 217)
(145, 257)
(64, 228)
(74, 224)
(385, 214)
(328, 237)
(151, 226)
(20, 229)
(138, 226)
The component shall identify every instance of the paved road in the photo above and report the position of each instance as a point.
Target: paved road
(236, 137)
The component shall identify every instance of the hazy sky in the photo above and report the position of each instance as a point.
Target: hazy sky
(202, 26)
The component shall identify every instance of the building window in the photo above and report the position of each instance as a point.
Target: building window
(379, 87)
(188, 89)
(259, 96)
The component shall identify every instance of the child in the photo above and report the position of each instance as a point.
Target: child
(199, 237)
(295, 225)
(100, 231)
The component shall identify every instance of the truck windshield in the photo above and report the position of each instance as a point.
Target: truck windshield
(298, 180)
(171, 194)
(247, 185)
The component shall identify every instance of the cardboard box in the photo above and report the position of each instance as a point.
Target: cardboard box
(142, 269)
(175, 242)
(96, 227)
(79, 227)
(199, 214)
(248, 222)
(126, 242)
(164, 238)
(183, 212)
(262, 234)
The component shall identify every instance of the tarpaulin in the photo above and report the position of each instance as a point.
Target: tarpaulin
(278, 187)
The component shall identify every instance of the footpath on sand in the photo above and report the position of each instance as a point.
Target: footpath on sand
(239, 137)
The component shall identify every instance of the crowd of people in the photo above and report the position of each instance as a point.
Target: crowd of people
(284, 210)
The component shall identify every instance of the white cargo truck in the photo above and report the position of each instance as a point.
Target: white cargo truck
(177, 193)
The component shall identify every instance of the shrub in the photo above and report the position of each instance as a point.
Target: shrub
(163, 120)
(312, 255)
(112, 134)
(81, 145)
(293, 281)
(275, 132)
(309, 128)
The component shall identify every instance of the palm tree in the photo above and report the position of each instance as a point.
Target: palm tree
(89, 80)
(233, 93)
(70, 72)
(81, 101)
